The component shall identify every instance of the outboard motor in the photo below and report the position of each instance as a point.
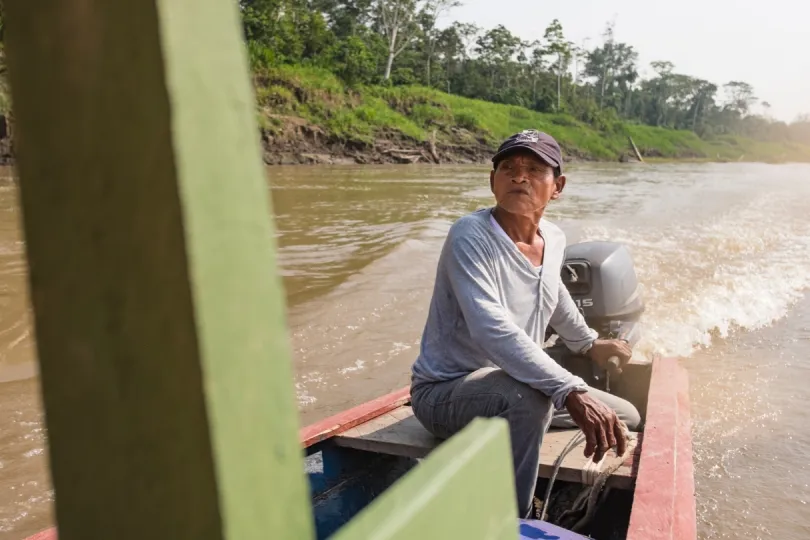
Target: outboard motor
(602, 281)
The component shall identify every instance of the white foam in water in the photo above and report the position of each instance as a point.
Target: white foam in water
(357, 366)
(302, 396)
(739, 270)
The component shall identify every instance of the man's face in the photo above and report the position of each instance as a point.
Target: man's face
(524, 184)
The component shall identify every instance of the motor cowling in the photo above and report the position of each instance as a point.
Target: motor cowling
(602, 281)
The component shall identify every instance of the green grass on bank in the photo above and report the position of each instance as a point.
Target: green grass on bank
(416, 113)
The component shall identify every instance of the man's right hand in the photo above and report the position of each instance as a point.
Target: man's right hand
(604, 349)
(598, 422)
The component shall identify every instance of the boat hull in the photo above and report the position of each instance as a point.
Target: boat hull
(344, 481)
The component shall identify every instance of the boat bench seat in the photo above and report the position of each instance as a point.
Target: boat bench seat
(399, 433)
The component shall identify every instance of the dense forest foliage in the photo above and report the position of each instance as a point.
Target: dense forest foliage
(356, 68)
(399, 42)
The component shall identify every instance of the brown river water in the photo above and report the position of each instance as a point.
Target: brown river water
(723, 253)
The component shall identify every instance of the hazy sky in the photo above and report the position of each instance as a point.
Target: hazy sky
(764, 43)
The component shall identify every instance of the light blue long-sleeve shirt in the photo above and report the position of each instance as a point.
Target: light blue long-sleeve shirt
(491, 307)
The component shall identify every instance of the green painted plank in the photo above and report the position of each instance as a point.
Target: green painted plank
(158, 312)
(243, 331)
(463, 491)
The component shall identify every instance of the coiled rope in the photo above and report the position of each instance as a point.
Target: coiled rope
(593, 477)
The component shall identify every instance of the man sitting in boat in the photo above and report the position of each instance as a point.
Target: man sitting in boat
(497, 289)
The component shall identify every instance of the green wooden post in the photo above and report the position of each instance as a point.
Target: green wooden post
(464, 490)
(159, 317)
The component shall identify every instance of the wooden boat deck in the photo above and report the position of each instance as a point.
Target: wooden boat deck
(399, 433)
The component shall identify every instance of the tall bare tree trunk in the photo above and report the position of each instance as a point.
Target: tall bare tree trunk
(427, 68)
(559, 83)
(698, 105)
(604, 82)
(391, 53)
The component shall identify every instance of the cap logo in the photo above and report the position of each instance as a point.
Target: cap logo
(529, 135)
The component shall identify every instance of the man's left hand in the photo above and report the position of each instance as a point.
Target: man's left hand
(604, 349)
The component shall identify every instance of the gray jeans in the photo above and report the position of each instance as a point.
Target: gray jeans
(445, 408)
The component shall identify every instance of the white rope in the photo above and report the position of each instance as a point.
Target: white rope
(592, 476)
(591, 470)
(595, 489)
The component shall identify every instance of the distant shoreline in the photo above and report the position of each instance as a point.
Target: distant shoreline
(307, 150)
(310, 151)
(302, 147)
(309, 116)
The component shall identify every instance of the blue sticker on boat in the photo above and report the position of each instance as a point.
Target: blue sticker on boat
(530, 531)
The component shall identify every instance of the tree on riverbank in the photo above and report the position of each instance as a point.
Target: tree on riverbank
(397, 42)
(378, 48)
